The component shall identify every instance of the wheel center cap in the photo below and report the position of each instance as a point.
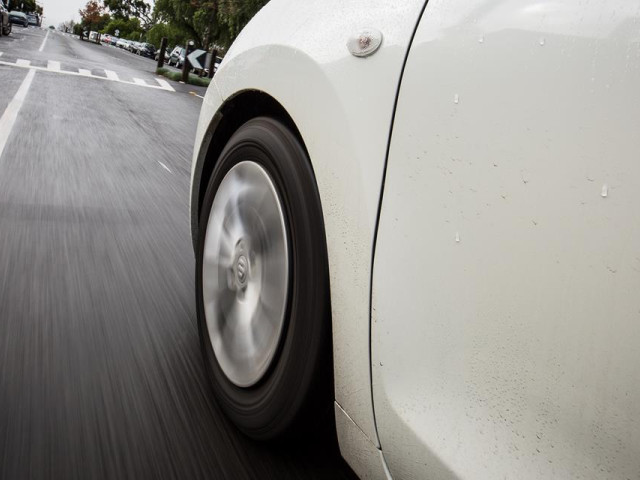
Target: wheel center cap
(242, 266)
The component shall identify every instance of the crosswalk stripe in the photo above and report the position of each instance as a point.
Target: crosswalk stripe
(0, 54)
(54, 67)
(164, 84)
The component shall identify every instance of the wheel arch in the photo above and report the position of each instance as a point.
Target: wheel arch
(234, 112)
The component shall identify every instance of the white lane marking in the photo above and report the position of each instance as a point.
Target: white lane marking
(164, 166)
(44, 41)
(27, 64)
(0, 54)
(86, 73)
(196, 95)
(8, 119)
(139, 81)
(111, 75)
(53, 65)
(23, 63)
(165, 85)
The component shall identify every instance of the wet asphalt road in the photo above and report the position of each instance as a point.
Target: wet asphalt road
(100, 371)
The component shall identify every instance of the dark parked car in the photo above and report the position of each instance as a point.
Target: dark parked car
(5, 24)
(147, 50)
(19, 18)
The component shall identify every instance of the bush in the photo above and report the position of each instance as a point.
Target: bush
(177, 76)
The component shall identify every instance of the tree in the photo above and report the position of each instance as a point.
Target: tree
(67, 26)
(27, 6)
(233, 15)
(92, 16)
(208, 21)
(125, 9)
(174, 35)
(127, 28)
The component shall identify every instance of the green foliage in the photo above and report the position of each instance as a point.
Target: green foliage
(127, 28)
(27, 6)
(208, 21)
(233, 15)
(77, 29)
(174, 35)
(125, 9)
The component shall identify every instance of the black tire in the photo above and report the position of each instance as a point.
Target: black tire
(296, 392)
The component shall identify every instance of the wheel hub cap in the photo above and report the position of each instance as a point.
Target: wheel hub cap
(245, 274)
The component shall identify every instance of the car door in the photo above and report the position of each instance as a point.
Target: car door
(505, 303)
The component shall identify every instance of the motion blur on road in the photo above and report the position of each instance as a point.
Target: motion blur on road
(100, 370)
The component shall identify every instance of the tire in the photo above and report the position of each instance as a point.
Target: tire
(293, 392)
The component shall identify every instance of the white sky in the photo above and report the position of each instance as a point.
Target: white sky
(58, 11)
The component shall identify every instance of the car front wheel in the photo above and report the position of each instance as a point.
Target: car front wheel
(262, 286)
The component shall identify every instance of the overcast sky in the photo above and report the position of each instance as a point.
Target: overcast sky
(58, 11)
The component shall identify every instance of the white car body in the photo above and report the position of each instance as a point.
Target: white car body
(500, 316)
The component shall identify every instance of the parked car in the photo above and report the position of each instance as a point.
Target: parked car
(177, 57)
(133, 46)
(5, 24)
(427, 221)
(147, 50)
(19, 18)
(122, 43)
(33, 19)
(106, 38)
(114, 40)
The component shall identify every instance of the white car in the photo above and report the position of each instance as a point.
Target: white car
(439, 204)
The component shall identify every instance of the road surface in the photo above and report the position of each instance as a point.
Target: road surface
(100, 370)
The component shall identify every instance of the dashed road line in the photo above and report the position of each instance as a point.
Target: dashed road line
(53, 65)
(196, 95)
(23, 63)
(86, 73)
(164, 166)
(139, 81)
(44, 41)
(9, 116)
